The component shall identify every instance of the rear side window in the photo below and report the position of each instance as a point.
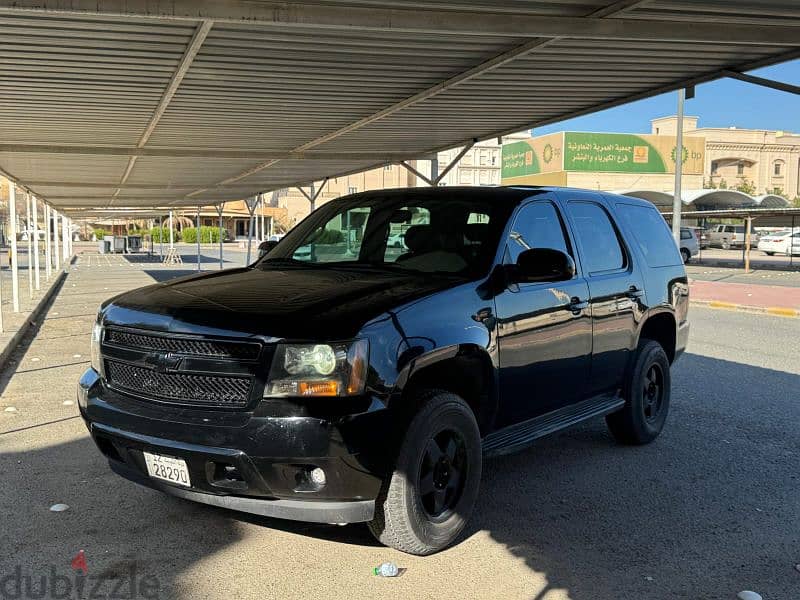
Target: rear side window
(598, 238)
(651, 233)
(686, 234)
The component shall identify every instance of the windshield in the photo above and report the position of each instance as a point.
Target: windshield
(455, 233)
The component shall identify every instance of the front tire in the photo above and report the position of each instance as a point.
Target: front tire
(647, 396)
(425, 504)
(769, 253)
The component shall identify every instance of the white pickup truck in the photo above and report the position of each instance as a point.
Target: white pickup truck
(730, 236)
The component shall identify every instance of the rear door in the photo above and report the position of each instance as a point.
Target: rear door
(544, 329)
(615, 288)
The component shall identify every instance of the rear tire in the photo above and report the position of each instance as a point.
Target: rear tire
(647, 397)
(769, 253)
(726, 245)
(685, 255)
(425, 504)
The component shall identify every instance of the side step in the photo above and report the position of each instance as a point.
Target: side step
(521, 435)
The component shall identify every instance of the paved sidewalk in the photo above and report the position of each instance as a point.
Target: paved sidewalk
(772, 299)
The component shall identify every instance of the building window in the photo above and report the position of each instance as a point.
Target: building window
(352, 190)
(740, 169)
(777, 191)
(777, 167)
(387, 167)
(714, 167)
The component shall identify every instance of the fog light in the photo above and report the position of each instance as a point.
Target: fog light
(317, 476)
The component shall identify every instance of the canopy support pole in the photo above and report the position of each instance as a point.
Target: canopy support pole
(65, 242)
(56, 245)
(48, 254)
(197, 222)
(29, 229)
(436, 178)
(251, 208)
(36, 279)
(748, 230)
(12, 217)
(676, 201)
(312, 197)
(220, 208)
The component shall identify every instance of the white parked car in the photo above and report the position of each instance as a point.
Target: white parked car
(781, 242)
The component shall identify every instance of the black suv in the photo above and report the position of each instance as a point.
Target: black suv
(343, 379)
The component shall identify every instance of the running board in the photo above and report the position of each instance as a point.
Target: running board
(516, 437)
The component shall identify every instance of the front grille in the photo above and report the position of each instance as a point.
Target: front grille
(180, 388)
(195, 347)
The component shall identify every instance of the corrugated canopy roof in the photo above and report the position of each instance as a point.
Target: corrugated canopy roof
(139, 103)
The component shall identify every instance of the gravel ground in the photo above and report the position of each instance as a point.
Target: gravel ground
(708, 510)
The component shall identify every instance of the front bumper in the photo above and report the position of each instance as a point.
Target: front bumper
(244, 461)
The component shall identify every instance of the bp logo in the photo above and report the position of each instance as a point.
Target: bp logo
(547, 155)
(684, 154)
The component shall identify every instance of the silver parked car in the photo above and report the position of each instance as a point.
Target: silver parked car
(689, 245)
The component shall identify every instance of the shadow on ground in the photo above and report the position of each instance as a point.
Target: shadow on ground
(706, 511)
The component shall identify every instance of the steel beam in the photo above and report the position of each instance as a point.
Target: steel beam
(200, 34)
(420, 21)
(770, 83)
(172, 152)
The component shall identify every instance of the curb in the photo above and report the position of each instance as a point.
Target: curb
(34, 315)
(778, 311)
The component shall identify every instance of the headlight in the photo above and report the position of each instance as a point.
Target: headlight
(308, 370)
(97, 336)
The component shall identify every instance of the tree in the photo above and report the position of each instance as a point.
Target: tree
(723, 185)
(796, 201)
(746, 186)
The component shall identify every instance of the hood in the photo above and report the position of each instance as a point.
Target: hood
(300, 303)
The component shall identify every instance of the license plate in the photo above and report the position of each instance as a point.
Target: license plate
(167, 468)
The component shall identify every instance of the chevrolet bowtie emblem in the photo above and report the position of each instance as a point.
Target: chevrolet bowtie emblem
(164, 362)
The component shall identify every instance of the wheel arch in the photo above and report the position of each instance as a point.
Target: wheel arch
(466, 370)
(661, 326)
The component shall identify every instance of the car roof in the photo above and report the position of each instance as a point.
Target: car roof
(514, 194)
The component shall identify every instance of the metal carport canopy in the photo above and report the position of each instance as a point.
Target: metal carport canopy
(142, 103)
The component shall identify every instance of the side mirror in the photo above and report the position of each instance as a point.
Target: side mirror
(265, 247)
(542, 265)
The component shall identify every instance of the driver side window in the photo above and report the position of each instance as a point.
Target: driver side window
(538, 225)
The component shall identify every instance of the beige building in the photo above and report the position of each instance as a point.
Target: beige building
(767, 159)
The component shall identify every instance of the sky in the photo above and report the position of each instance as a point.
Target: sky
(721, 103)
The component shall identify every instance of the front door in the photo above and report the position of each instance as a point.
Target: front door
(544, 329)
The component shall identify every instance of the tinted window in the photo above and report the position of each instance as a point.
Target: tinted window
(651, 233)
(686, 234)
(598, 238)
(456, 233)
(537, 226)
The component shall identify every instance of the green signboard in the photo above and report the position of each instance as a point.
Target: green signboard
(612, 152)
(519, 158)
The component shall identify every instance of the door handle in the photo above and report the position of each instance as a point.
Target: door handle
(576, 305)
(634, 292)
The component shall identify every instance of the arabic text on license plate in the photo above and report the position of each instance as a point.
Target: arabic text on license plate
(167, 468)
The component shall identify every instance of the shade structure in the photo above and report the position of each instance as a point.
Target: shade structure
(108, 104)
